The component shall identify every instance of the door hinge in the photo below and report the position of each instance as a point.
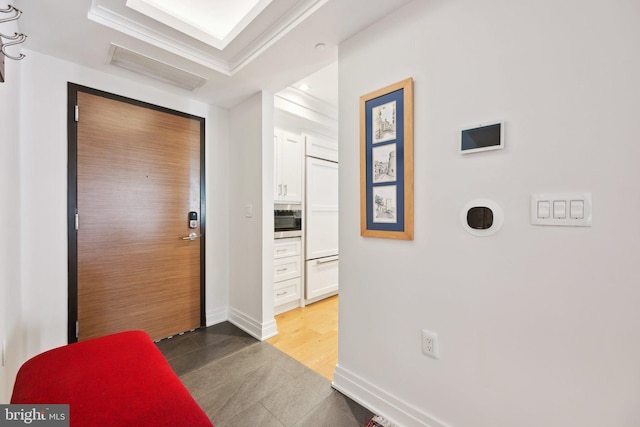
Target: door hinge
(77, 113)
(77, 220)
(77, 329)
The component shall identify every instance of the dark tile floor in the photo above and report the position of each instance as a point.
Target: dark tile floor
(241, 382)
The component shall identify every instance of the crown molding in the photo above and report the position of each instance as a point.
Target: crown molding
(279, 29)
(306, 109)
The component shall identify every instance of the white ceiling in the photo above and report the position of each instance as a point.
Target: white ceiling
(275, 49)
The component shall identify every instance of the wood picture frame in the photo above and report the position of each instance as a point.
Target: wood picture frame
(1, 65)
(386, 162)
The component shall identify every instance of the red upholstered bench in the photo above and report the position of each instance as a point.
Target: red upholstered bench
(117, 380)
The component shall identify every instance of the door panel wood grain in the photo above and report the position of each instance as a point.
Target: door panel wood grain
(138, 177)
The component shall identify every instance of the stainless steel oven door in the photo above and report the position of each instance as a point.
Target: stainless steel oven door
(287, 221)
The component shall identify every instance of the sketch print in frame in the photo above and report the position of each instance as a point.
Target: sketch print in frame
(386, 162)
(384, 204)
(383, 121)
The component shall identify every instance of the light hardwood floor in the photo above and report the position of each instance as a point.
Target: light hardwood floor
(310, 335)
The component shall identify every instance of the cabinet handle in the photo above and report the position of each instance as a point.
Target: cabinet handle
(281, 293)
(281, 269)
(327, 261)
(279, 189)
(281, 250)
(285, 189)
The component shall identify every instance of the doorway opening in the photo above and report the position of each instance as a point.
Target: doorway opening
(306, 176)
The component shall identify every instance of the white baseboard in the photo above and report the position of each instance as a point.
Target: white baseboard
(217, 315)
(381, 402)
(258, 330)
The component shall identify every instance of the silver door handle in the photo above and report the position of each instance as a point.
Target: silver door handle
(318, 262)
(191, 236)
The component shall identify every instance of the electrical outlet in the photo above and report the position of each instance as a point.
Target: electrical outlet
(430, 344)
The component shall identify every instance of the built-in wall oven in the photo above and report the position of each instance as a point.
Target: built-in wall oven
(287, 220)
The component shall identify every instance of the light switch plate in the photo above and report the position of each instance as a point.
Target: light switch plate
(567, 220)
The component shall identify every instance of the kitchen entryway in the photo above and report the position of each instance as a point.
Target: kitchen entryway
(305, 194)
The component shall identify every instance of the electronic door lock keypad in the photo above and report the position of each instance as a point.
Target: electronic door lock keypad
(193, 219)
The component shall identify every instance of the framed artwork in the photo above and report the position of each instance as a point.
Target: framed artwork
(386, 162)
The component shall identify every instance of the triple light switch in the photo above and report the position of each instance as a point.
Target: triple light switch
(570, 209)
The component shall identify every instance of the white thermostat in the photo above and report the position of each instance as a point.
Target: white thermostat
(482, 217)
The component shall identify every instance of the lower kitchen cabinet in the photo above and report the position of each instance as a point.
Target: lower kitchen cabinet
(287, 274)
(286, 291)
(287, 268)
(322, 278)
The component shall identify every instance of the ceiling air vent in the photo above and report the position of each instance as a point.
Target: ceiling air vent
(133, 61)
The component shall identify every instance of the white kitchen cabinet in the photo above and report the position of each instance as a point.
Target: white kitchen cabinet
(287, 247)
(287, 268)
(287, 274)
(322, 208)
(321, 147)
(289, 152)
(322, 278)
(285, 292)
(321, 241)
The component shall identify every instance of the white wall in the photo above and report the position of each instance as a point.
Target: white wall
(217, 241)
(10, 220)
(537, 325)
(43, 142)
(251, 243)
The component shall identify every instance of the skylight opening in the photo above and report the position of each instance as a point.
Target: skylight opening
(215, 22)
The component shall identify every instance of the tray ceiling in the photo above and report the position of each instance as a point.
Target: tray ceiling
(269, 45)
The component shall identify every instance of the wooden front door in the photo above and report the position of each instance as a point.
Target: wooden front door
(138, 175)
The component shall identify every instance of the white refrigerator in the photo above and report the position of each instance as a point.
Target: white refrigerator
(321, 238)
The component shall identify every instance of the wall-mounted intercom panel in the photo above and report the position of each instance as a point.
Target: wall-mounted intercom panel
(482, 137)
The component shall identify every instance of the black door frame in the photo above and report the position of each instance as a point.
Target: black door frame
(72, 192)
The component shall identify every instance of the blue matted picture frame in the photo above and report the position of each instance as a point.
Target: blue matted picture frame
(386, 162)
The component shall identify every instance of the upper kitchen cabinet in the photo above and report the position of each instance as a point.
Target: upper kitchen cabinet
(289, 152)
